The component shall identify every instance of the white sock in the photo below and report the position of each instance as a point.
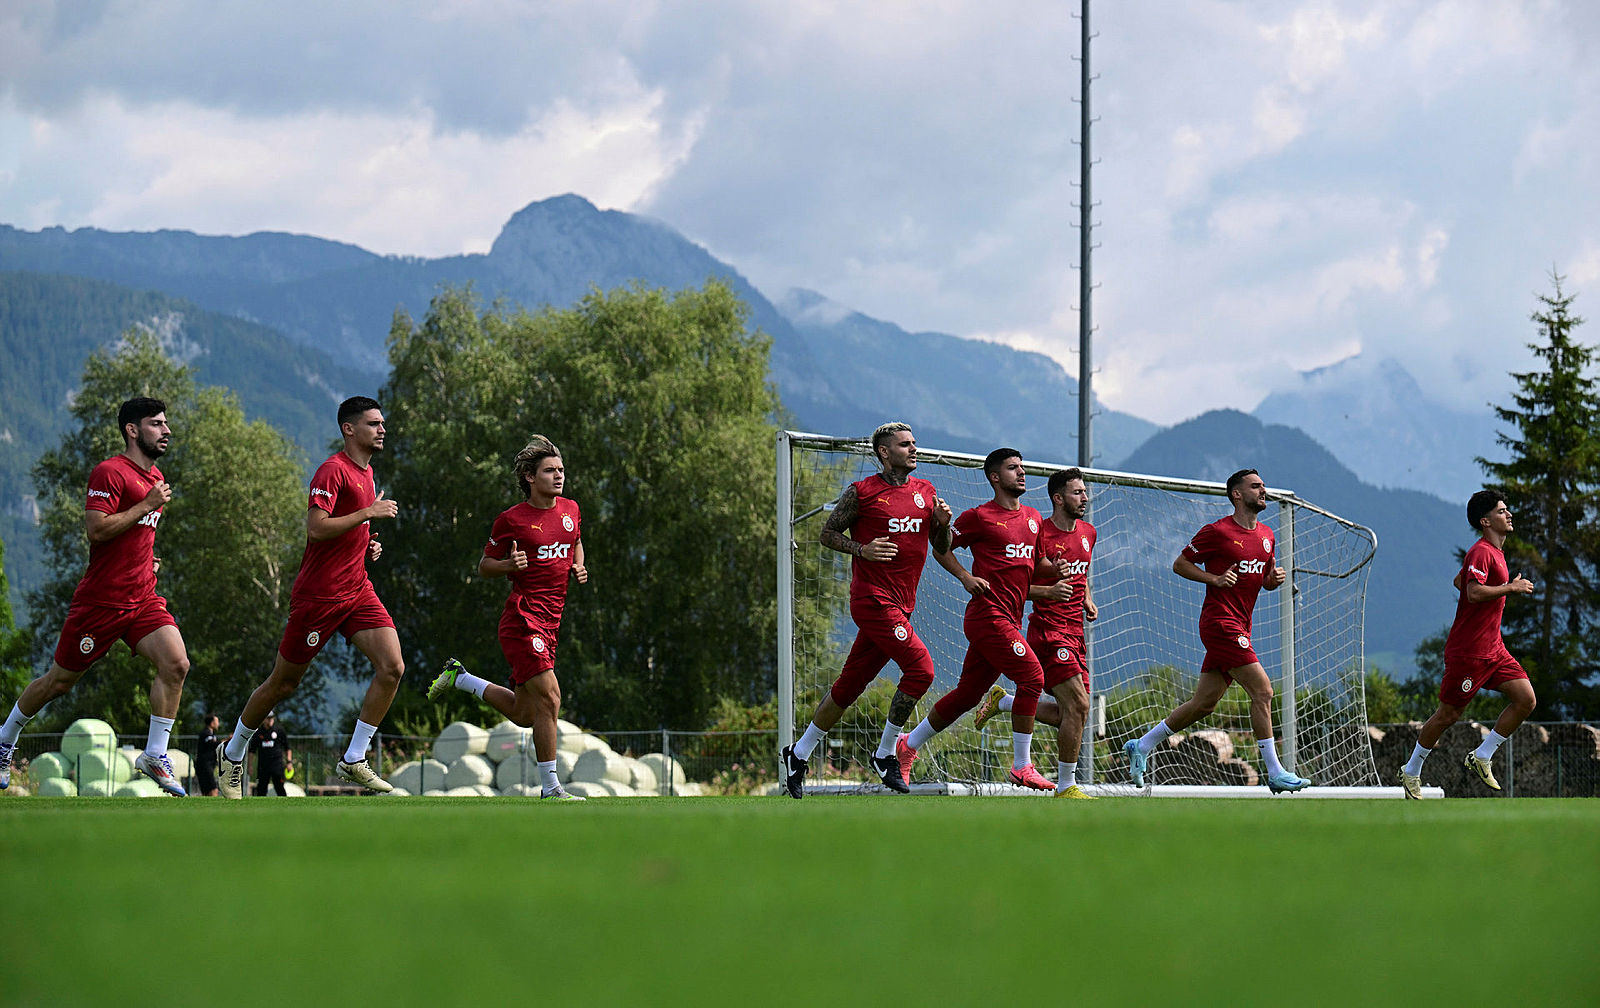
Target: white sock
(547, 776)
(808, 741)
(359, 740)
(13, 726)
(1021, 749)
(1006, 702)
(921, 734)
(1066, 776)
(1269, 755)
(160, 735)
(1414, 764)
(1491, 744)
(886, 743)
(239, 742)
(1154, 737)
(471, 683)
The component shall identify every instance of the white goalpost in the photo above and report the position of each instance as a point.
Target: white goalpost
(1144, 650)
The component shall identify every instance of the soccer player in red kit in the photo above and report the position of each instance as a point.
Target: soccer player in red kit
(1475, 655)
(1234, 558)
(538, 545)
(1055, 628)
(116, 598)
(333, 594)
(885, 523)
(1005, 537)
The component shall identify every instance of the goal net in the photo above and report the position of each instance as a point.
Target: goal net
(1144, 650)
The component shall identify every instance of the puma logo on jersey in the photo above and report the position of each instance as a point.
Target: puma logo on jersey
(1252, 566)
(905, 524)
(553, 551)
(1022, 551)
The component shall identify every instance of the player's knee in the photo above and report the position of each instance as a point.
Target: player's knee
(174, 670)
(915, 683)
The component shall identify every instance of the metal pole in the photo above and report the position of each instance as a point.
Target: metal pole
(1290, 751)
(785, 592)
(1085, 326)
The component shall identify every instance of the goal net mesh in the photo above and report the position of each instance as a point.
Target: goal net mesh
(1144, 650)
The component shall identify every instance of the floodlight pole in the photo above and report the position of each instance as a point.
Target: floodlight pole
(1085, 316)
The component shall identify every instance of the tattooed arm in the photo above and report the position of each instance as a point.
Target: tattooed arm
(836, 530)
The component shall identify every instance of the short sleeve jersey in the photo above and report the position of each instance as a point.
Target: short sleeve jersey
(1063, 621)
(1221, 545)
(1476, 630)
(121, 570)
(547, 536)
(903, 514)
(1003, 544)
(337, 568)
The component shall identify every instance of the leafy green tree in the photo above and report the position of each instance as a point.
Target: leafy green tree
(661, 407)
(228, 539)
(15, 644)
(1552, 482)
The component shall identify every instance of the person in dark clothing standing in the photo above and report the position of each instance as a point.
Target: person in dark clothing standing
(205, 758)
(273, 754)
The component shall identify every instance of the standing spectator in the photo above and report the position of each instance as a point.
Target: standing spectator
(273, 755)
(205, 758)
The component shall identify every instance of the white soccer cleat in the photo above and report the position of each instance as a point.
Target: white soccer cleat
(159, 769)
(1411, 785)
(230, 782)
(1480, 766)
(6, 749)
(559, 793)
(360, 772)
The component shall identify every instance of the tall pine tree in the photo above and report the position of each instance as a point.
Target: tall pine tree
(1552, 482)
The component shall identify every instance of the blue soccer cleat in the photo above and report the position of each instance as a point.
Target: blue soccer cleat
(1137, 758)
(1286, 781)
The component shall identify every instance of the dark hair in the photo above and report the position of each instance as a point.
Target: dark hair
(355, 406)
(991, 462)
(526, 464)
(137, 409)
(1237, 478)
(1061, 478)
(1478, 507)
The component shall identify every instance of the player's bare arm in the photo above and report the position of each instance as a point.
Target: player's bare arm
(1091, 612)
(835, 532)
(322, 526)
(1184, 567)
(1275, 578)
(101, 527)
(1044, 567)
(1061, 591)
(1518, 585)
(579, 571)
(513, 561)
(939, 535)
(973, 585)
(374, 549)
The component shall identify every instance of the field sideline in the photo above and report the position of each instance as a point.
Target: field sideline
(832, 900)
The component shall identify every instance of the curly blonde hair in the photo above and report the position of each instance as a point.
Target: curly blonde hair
(528, 459)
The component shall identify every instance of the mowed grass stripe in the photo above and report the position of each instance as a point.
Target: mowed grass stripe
(838, 899)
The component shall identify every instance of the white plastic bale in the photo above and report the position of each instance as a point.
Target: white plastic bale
(143, 787)
(565, 761)
(459, 739)
(470, 770)
(293, 790)
(419, 776)
(97, 789)
(520, 769)
(398, 792)
(572, 742)
(588, 789)
(617, 788)
(182, 763)
(486, 790)
(85, 735)
(600, 765)
(507, 740)
(109, 768)
(463, 792)
(565, 727)
(520, 791)
(48, 765)
(643, 778)
(435, 793)
(665, 768)
(57, 787)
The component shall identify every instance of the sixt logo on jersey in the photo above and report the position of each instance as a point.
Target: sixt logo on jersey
(905, 524)
(1252, 566)
(1077, 567)
(1019, 550)
(151, 519)
(553, 551)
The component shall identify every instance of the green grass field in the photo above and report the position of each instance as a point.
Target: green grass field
(833, 900)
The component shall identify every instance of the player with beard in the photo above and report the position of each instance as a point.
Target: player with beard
(116, 598)
(1005, 537)
(332, 593)
(1055, 628)
(538, 546)
(885, 523)
(1234, 558)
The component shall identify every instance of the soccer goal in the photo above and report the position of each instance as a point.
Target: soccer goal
(1144, 650)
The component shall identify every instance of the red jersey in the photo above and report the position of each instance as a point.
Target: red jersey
(1221, 545)
(337, 568)
(538, 591)
(1003, 544)
(1476, 631)
(903, 514)
(121, 571)
(1063, 621)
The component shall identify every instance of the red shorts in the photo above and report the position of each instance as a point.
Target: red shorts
(530, 652)
(91, 630)
(1464, 677)
(1062, 660)
(313, 621)
(884, 634)
(995, 648)
(1227, 648)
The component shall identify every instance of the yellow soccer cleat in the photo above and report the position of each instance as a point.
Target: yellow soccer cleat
(1074, 791)
(989, 706)
(1412, 786)
(1481, 767)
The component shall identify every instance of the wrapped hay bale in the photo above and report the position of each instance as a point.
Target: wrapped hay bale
(48, 765)
(520, 791)
(507, 740)
(519, 769)
(419, 776)
(617, 789)
(293, 790)
(642, 777)
(87, 735)
(106, 767)
(57, 787)
(140, 787)
(463, 792)
(588, 789)
(666, 769)
(470, 770)
(601, 765)
(182, 763)
(459, 739)
(97, 789)
(565, 761)
(436, 793)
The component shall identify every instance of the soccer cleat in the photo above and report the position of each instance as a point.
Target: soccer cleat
(1480, 766)
(1030, 777)
(6, 749)
(888, 770)
(1136, 761)
(1074, 791)
(1412, 786)
(360, 772)
(446, 679)
(794, 773)
(159, 769)
(559, 793)
(1286, 781)
(989, 706)
(230, 783)
(905, 756)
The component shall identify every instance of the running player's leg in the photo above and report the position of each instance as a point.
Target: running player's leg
(1072, 700)
(381, 645)
(862, 665)
(1207, 693)
(164, 648)
(34, 696)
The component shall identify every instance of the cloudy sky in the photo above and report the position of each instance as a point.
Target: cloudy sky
(1281, 185)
